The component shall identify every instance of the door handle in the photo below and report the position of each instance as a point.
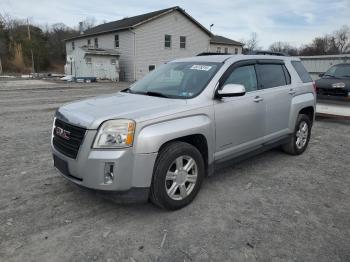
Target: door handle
(292, 91)
(258, 99)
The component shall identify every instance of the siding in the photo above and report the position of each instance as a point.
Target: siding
(231, 49)
(100, 66)
(126, 48)
(150, 48)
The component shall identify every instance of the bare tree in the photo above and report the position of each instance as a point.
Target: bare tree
(251, 44)
(88, 23)
(342, 39)
(283, 47)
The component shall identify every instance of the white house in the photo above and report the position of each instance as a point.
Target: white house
(93, 62)
(220, 44)
(147, 41)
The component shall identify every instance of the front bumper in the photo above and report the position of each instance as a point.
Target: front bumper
(131, 171)
(335, 92)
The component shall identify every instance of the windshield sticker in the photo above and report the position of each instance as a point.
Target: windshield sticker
(201, 67)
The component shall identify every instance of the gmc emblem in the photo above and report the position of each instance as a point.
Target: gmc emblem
(62, 133)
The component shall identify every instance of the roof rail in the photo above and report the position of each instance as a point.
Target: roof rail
(262, 52)
(212, 53)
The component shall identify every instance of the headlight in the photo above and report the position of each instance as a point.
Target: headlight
(115, 134)
(338, 85)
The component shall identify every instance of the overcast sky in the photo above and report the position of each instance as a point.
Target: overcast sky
(294, 21)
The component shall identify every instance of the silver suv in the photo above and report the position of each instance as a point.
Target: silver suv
(161, 136)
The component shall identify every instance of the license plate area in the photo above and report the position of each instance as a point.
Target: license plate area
(62, 166)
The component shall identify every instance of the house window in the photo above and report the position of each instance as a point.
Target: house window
(218, 49)
(88, 60)
(236, 50)
(182, 41)
(226, 50)
(96, 42)
(167, 41)
(113, 61)
(73, 45)
(151, 68)
(89, 42)
(116, 41)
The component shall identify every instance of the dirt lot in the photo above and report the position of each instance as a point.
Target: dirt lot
(273, 207)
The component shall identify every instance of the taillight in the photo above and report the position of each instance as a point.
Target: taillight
(314, 86)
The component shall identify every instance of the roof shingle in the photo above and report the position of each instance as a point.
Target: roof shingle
(217, 39)
(133, 21)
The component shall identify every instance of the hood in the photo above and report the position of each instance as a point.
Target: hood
(92, 112)
(327, 82)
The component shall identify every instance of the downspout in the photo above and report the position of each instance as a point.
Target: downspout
(134, 60)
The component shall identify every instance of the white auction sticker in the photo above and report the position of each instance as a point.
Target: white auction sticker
(201, 67)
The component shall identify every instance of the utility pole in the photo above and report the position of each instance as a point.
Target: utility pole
(31, 49)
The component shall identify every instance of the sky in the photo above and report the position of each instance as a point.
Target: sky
(293, 21)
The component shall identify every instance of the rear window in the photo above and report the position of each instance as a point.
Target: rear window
(303, 74)
(271, 75)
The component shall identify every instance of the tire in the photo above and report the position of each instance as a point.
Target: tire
(172, 187)
(294, 148)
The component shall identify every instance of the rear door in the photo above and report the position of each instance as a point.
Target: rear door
(275, 82)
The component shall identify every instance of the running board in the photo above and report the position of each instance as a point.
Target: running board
(231, 160)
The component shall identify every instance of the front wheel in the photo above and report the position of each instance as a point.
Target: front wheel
(301, 136)
(177, 176)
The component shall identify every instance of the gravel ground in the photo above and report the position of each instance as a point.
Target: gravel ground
(273, 207)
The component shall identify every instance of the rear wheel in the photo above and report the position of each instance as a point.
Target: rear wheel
(301, 136)
(177, 175)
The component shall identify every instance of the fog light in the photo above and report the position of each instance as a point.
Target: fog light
(108, 174)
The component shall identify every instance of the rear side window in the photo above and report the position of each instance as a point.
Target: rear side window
(303, 74)
(271, 75)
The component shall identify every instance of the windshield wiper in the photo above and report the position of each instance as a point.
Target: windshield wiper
(152, 93)
(127, 90)
(329, 75)
(345, 76)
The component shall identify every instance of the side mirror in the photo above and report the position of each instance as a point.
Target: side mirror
(231, 90)
(321, 75)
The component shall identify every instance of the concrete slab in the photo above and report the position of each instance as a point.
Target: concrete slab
(333, 109)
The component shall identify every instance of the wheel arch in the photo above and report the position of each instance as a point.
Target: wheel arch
(196, 130)
(309, 111)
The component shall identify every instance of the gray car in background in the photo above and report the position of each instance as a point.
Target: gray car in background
(160, 137)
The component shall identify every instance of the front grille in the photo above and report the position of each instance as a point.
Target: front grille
(69, 145)
(333, 92)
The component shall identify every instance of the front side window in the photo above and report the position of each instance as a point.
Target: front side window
(271, 75)
(176, 80)
(182, 41)
(245, 76)
(167, 41)
(116, 41)
(96, 42)
(303, 74)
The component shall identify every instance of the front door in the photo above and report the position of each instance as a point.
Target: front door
(240, 121)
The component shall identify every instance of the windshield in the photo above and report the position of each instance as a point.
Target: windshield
(338, 71)
(176, 80)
